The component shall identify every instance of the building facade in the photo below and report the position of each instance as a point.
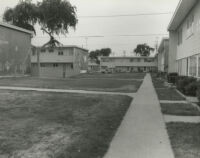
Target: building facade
(93, 66)
(163, 55)
(129, 64)
(58, 62)
(184, 43)
(15, 49)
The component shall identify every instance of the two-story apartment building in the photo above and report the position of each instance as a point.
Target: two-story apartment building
(184, 42)
(15, 49)
(129, 64)
(163, 55)
(58, 62)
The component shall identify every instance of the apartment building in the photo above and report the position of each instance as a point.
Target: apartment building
(184, 39)
(58, 62)
(163, 55)
(15, 49)
(128, 64)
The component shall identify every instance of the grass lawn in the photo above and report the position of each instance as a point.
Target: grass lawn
(110, 85)
(46, 125)
(158, 83)
(114, 76)
(185, 139)
(179, 109)
(169, 94)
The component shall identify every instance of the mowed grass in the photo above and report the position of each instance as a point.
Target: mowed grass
(185, 139)
(58, 125)
(169, 94)
(108, 85)
(114, 75)
(180, 109)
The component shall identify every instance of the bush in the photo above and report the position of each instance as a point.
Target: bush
(198, 92)
(191, 89)
(184, 81)
(171, 77)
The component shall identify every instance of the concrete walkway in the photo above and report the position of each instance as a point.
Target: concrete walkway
(142, 133)
(185, 119)
(63, 91)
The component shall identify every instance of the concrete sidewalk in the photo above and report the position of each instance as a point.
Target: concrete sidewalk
(142, 133)
(63, 91)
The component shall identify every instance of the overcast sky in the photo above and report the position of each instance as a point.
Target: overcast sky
(110, 28)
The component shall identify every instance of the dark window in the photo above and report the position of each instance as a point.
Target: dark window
(51, 50)
(33, 53)
(55, 65)
(72, 66)
(42, 65)
(60, 53)
(43, 50)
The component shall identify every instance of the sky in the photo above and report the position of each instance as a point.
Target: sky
(109, 28)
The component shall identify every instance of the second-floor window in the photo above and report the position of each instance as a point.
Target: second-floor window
(180, 36)
(190, 25)
(60, 53)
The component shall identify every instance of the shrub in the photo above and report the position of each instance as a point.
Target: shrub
(182, 82)
(198, 92)
(191, 89)
(171, 77)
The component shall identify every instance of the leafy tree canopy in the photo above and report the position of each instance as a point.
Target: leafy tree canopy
(54, 16)
(97, 53)
(143, 50)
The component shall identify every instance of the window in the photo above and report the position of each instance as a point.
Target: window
(51, 50)
(148, 60)
(60, 53)
(193, 66)
(55, 65)
(43, 50)
(180, 36)
(131, 60)
(72, 66)
(138, 60)
(42, 65)
(33, 53)
(190, 24)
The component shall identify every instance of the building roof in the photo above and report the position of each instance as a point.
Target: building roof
(162, 43)
(15, 28)
(181, 12)
(67, 46)
(128, 57)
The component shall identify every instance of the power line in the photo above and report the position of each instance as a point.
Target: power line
(126, 15)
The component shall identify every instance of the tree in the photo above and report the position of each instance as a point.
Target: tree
(54, 16)
(97, 53)
(143, 50)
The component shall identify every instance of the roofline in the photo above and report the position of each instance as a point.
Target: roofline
(162, 41)
(15, 28)
(170, 27)
(177, 8)
(126, 57)
(69, 46)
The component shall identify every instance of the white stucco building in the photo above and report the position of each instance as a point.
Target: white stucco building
(184, 42)
(58, 62)
(129, 64)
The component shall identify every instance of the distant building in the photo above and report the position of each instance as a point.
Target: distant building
(15, 49)
(163, 55)
(93, 66)
(129, 64)
(58, 62)
(184, 42)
